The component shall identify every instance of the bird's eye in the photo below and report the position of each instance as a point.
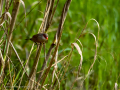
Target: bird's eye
(45, 36)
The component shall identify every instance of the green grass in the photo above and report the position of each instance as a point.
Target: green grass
(105, 72)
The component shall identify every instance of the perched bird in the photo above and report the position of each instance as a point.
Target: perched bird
(39, 38)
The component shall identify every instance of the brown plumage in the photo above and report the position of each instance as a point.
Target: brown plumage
(39, 38)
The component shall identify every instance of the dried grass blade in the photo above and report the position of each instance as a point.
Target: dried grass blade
(18, 56)
(25, 66)
(59, 60)
(9, 15)
(80, 52)
(95, 52)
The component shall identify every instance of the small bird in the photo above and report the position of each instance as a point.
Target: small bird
(39, 38)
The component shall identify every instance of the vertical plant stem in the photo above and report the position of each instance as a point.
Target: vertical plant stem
(12, 24)
(59, 34)
(7, 24)
(35, 63)
(11, 83)
(5, 18)
(1, 6)
(45, 25)
(1, 67)
(36, 60)
(42, 27)
(44, 64)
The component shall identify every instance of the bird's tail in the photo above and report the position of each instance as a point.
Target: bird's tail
(28, 39)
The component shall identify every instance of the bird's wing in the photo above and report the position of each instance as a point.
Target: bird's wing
(35, 36)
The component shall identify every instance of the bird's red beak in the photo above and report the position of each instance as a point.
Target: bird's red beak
(47, 38)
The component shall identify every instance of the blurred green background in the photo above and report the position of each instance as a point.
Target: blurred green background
(105, 72)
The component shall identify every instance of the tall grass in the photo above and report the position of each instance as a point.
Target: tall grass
(81, 54)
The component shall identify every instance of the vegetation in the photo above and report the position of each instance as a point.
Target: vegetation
(82, 52)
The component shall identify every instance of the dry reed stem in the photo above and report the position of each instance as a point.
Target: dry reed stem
(12, 24)
(6, 5)
(47, 13)
(49, 20)
(44, 64)
(11, 83)
(55, 66)
(42, 27)
(1, 6)
(2, 63)
(30, 50)
(9, 35)
(38, 53)
(50, 17)
(34, 68)
(5, 16)
(59, 34)
(46, 20)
